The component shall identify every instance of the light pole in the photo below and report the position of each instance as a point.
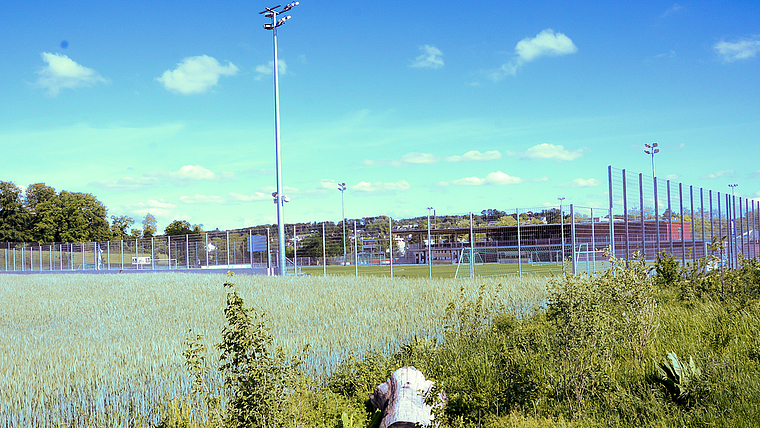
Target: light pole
(562, 231)
(272, 12)
(430, 252)
(342, 188)
(651, 150)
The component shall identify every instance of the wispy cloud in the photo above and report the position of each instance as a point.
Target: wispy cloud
(546, 43)
(718, 174)
(196, 75)
(497, 178)
(186, 175)
(550, 151)
(365, 186)
(128, 183)
(739, 49)
(268, 69)
(63, 72)
(419, 158)
(202, 199)
(430, 58)
(672, 10)
(474, 155)
(581, 182)
(157, 207)
(257, 196)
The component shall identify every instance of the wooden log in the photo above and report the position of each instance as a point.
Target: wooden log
(402, 399)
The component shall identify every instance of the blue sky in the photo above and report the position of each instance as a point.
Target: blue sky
(167, 107)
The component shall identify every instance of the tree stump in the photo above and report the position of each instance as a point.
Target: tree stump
(402, 399)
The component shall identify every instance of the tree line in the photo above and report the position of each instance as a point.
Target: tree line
(41, 214)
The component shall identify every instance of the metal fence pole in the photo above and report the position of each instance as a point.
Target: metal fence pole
(693, 229)
(324, 251)
(390, 243)
(519, 250)
(625, 218)
(472, 250)
(670, 220)
(683, 225)
(228, 252)
(641, 203)
(610, 213)
(356, 250)
(656, 218)
(702, 215)
(593, 245)
(572, 239)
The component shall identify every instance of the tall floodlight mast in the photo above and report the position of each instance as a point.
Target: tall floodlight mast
(279, 198)
(651, 150)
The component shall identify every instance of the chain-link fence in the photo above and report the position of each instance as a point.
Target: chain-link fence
(644, 215)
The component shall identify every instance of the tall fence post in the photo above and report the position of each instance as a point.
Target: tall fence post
(390, 243)
(572, 238)
(356, 250)
(610, 214)
(324, 251)
(656, 217)
(641, 203)
(472, 250)
(519, 250)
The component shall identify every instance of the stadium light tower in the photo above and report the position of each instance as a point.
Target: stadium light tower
(342, 188)
(651, 150)
(279, 198)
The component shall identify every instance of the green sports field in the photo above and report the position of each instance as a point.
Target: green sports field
(439, 271)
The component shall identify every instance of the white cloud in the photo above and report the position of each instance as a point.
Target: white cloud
(418, 158)
(127, 183)
(431, 58)
(158, 208)
(741, 49)
(327, 183)
(268, 68)
(718, 174)
(258, 196)
(195, 75)
(193, 172)
(550, 151)
(546, 43)
(474, 155)
(365, 186)
(202, 199)
(497, 178)
(63, 72)
(581, 182)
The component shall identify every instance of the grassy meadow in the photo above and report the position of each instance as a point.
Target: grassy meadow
(106, 350)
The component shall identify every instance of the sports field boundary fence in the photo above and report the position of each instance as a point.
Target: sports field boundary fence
(645, 217)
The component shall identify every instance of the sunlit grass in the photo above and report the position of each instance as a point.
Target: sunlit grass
(106, 349)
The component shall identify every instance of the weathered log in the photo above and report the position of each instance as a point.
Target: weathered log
(402, 399)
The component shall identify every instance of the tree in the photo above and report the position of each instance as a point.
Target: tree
(41, 202)
(178, 227)
(507, 220)
(80, 217)
(13, 215)
(149, 226)
(119, 226)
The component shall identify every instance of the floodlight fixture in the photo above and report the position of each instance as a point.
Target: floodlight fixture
(651, 150)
